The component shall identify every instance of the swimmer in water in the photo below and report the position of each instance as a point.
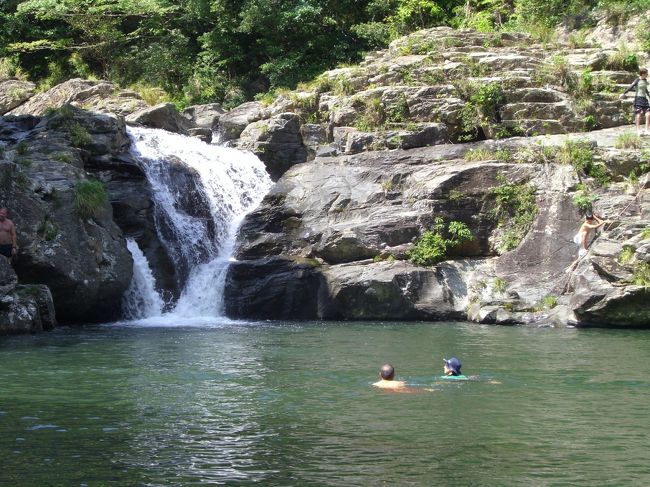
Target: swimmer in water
(387, 374)
(452, 369)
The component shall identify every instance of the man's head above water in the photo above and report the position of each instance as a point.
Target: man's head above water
(387, 372)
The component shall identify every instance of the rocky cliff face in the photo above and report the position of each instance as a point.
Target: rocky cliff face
(332, 239)
(80, 255)
(51, 144)
(509, 138)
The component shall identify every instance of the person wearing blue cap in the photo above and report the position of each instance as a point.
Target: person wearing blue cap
(452, 369)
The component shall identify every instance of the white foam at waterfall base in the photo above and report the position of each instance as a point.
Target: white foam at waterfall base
(233, 183)
(141, 300)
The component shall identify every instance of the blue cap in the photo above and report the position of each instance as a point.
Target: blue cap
(453, 364)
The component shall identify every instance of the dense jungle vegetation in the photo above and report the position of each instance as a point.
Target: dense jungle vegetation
(199, 51)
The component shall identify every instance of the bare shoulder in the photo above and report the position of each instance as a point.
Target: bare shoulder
(390, 384)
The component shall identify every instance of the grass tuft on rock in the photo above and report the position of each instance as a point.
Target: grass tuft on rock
(79, 136)
(547, 302)
(626, 255)
(90, 198)
(641, 276)
(628, 140)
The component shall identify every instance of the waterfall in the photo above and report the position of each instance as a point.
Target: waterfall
(141, 300)
(201, 193)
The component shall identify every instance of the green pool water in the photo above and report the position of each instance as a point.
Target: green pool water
(291, 404)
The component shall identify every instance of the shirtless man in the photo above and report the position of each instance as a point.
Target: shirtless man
(8, 246)
(387, 374)
(591, 222)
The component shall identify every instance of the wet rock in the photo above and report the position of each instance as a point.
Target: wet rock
(273, 288)
(28, 309)
(163, 116)
(203, 134)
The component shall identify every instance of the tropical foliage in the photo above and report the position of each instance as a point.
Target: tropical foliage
(229, 50)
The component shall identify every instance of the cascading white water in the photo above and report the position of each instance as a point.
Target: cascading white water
(186, 175)
(141, 300)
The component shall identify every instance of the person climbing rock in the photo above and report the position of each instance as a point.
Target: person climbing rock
(592, 222)
(8, 245)
(641, 100)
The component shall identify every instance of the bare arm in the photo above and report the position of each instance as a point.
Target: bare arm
(597, 225)
(14, 243)
(631, 87)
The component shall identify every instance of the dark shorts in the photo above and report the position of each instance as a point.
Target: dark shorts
(5, 249)
(641, 105)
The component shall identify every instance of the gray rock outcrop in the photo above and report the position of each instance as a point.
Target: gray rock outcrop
(342, 228)
(81, 257)
(204, 116)
(163, 116)
(277, 142)
(232, 123)
(23, 309)
(13, 93)
(95, 96)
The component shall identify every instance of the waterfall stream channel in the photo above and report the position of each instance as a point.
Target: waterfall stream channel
(201, 193)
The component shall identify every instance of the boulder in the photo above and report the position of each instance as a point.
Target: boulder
(13, 93)
(162, 116)
(231, 124)
(396, 291)
(29, 309)
(204, 116)
(313, 137)
(203, 134)
(277, 142)
(597, 302)
(83, 260)
(273, 288)
(425, 135)
(74, 91)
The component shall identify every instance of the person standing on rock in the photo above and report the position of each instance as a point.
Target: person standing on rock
(641, 100)
(8, 246)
